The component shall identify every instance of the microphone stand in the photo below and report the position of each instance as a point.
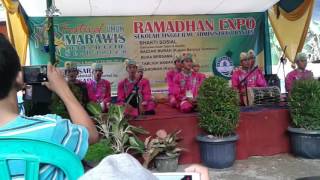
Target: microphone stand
(283, 62)
(135, 94)
(246, 86)
(136, 89)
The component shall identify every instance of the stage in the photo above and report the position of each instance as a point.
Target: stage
(262, 131)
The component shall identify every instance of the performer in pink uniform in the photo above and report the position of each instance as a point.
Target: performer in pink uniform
(148, 103)
(99, 90)
(170, 80)
(196, 69)
(129, 85)
(186, 85)
(300, 73)
(72, 73)
(247, 75)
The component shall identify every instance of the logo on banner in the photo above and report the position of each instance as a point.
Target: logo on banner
(224, 66)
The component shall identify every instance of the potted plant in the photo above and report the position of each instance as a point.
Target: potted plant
(304, 104)
(114, 127)
(164, 149)
(219, 114)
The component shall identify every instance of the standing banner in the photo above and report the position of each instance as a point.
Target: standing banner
(153, 41)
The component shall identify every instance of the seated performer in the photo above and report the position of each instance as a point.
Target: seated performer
(196, 68)
(170, 80)
(300, 73)
(99, 90)
(247, 75)
(186, 84)
(77, 87)
(135, 92)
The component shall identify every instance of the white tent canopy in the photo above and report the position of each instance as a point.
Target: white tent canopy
(36, 8)
(2, 13)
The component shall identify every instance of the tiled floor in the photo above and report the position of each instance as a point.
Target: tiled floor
(278, 167)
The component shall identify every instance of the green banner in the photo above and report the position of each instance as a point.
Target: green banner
(214, 40)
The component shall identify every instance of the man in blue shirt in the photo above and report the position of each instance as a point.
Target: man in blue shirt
(73, 134)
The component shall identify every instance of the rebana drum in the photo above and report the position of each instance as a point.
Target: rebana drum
(263, 96)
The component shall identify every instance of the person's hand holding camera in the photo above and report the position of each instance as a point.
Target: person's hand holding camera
(56, 81)
(78, 115)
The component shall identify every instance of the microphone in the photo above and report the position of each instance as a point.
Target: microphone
(133, 97)
(135, 87)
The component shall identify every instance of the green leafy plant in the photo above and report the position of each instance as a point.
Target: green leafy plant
(98, 151)
(304, 103)
(163, 143)
(218, 107)
(115, 127)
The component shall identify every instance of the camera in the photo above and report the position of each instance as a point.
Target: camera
(35, 74)
(33, 77)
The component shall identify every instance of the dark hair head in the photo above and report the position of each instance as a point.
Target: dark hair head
(176, 61)
(9, 66)
(186, 59)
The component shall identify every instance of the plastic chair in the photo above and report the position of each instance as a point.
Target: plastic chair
(34, 152)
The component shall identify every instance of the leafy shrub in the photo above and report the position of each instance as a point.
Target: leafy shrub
(218, 107)
(304, 103)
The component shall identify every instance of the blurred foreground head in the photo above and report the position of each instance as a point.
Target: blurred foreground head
(10, 69)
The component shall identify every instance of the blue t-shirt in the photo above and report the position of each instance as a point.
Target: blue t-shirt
(50, 128)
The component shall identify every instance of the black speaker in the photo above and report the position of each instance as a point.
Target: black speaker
(37, 93)
(37, 99)
(272, 80)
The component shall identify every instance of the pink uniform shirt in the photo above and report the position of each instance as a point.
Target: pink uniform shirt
(255, 79)
(125, 87)
(201, 76)
(297, 74)
(186, 82)
(99, 91)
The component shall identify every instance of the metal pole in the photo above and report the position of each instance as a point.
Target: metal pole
(267, 46)
(52, 49)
